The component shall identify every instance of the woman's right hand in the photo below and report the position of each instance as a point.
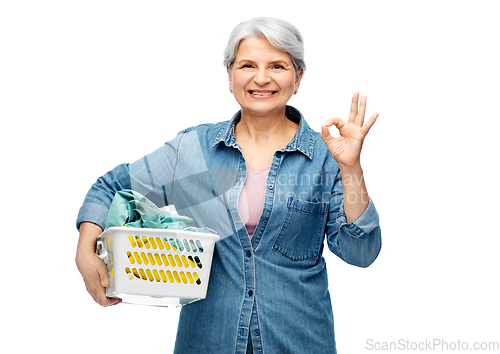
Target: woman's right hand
(92, 268)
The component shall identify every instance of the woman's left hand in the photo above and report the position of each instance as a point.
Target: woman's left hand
(346, 149)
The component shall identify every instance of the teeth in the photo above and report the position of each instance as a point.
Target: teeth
(261, 93)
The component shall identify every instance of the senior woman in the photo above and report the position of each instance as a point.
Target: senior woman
(272, 188)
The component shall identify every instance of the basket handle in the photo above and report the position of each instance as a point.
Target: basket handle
(100, 251)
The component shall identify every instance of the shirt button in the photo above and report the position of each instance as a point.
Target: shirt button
(270, 186)
(249, 254)
(278, 155)
(257, 332)
(250, 293)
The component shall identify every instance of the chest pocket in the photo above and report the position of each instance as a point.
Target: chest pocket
(302, 232)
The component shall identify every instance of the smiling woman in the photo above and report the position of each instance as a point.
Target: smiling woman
(268, 289)
(262, 80)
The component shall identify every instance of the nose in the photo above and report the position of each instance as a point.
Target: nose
(261, 77)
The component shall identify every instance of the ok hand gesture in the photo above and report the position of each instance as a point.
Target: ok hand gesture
(346, 149)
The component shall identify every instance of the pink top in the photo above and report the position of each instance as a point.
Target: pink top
(251, 201)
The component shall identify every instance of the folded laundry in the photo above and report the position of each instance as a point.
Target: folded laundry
(130, 208)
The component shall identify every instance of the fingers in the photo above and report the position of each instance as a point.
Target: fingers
(104, 301)
(102, 272)
(366, 128)
(111, 301)
(99, 294)
(100, 297)
(339, 123)
(95, 286)
(360, 117)
(325, 132)
(354, 108)
(96, 277)
(98, 290)
(357, 114)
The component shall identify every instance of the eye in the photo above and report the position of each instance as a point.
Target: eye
(246, 66)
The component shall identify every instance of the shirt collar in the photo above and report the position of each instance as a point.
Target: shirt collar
(303, 140)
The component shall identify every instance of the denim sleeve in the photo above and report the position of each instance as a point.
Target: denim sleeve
(152, 176)
(98, 199)
(357, 243)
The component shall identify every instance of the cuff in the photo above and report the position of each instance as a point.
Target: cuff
(94, 213)
(366, 223)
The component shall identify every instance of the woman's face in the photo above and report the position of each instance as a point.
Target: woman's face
(263, 77)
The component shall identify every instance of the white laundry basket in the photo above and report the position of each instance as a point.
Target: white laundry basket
(156, 267)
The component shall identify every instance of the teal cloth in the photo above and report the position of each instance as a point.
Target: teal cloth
(130, 208)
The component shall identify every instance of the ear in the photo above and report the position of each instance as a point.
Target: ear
(230, 77)
(298, 77)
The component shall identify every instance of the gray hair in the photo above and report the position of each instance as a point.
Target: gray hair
(279, 33)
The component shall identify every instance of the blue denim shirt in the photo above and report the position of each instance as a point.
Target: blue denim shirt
(271, 289)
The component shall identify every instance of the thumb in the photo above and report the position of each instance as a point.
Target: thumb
(326, 136)
(102, 271)
(324, 132)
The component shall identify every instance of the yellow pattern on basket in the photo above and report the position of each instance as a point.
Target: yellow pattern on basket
(168, 276)
(166, 260)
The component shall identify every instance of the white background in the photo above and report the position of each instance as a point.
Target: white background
(86, 85)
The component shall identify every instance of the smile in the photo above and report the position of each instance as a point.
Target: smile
(262, 93)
